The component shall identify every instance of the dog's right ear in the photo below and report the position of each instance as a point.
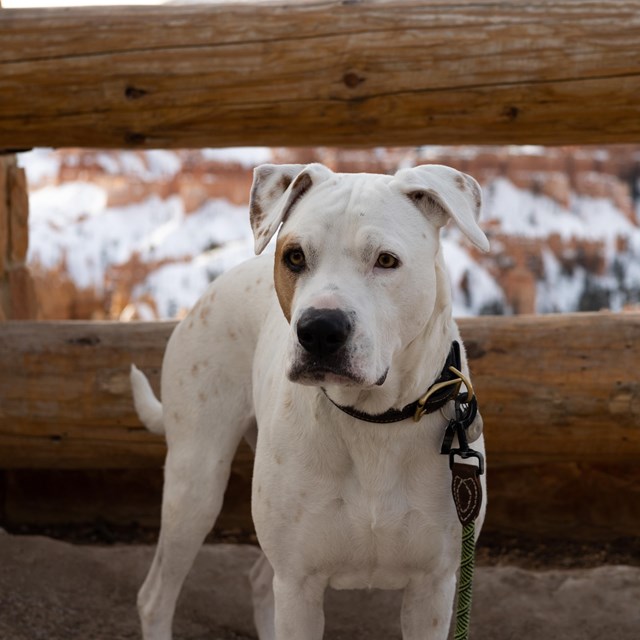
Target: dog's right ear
(276, 188)
(441, 193)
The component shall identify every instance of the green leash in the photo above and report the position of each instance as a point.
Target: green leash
(465, 586)
(467, 497)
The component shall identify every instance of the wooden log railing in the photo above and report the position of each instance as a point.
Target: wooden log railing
(560, 396)
(551, 388)
(326, 72)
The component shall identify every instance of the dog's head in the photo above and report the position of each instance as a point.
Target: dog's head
(358, 269)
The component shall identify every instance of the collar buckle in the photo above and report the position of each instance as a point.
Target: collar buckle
(458, 380)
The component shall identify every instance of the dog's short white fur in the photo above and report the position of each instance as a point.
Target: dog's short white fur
(336, 501)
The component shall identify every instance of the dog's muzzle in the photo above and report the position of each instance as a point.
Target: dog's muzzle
(323, 349)
(322, 332)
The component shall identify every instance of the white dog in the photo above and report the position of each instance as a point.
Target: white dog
(356, 314)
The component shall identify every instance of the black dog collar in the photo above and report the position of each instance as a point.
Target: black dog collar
(444, 389)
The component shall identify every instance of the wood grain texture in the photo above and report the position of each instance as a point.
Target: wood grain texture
(344, 73)
(65, 400)
(551, 389)
(568, 500)
(557, 388)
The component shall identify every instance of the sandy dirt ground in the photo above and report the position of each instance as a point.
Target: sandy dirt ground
(52, 590)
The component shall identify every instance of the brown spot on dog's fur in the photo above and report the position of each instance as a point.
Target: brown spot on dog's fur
(202, 396)
(232, 334)
(460, 181)
(284, 279)
(194, 369)
(280, 187)
(204, 313)
(477, 197)
(285, 181)
(256, 213)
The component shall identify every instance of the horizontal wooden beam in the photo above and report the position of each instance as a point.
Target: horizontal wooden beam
(325, 72)
(551, 389)
(565, 500)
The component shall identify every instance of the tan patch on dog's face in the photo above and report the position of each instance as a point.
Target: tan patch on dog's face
(284, 279)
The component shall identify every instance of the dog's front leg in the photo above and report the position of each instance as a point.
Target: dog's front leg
(426, 607)
(299, 607)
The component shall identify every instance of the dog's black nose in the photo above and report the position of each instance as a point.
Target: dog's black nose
(323, 331)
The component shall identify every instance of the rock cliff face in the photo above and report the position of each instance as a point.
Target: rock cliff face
(140, 234)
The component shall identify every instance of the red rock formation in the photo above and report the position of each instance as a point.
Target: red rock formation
(559, 173)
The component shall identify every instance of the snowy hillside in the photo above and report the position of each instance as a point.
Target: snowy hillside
(143, 233)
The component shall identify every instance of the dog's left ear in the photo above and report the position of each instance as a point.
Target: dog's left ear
(445, 192)
(276, 189)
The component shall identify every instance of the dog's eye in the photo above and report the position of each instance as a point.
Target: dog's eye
(295, 260)
(387, 261)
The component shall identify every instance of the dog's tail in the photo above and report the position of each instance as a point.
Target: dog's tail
(148, 407)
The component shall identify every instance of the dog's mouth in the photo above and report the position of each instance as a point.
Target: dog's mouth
(322, 373)
(315, 373)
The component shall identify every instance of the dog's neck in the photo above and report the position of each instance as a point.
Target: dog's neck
(416, 367)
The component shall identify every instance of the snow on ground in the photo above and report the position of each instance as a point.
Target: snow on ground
(480, 293)
(247, 157)
(175, 287)
(522, 213)
(39, 164)
(152, 165)
(216, 223)
(71, 224)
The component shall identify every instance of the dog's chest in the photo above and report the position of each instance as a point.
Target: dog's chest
(366, 511)
(393, 515)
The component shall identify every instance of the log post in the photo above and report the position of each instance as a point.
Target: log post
(322, 72)
(551, 389)
(17, 291)
(559, 395)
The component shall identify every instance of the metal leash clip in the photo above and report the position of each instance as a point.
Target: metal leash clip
(466, 411)
(465, 455)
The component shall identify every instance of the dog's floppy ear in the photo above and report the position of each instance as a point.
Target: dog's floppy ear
(276, 189)
(436, 190)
